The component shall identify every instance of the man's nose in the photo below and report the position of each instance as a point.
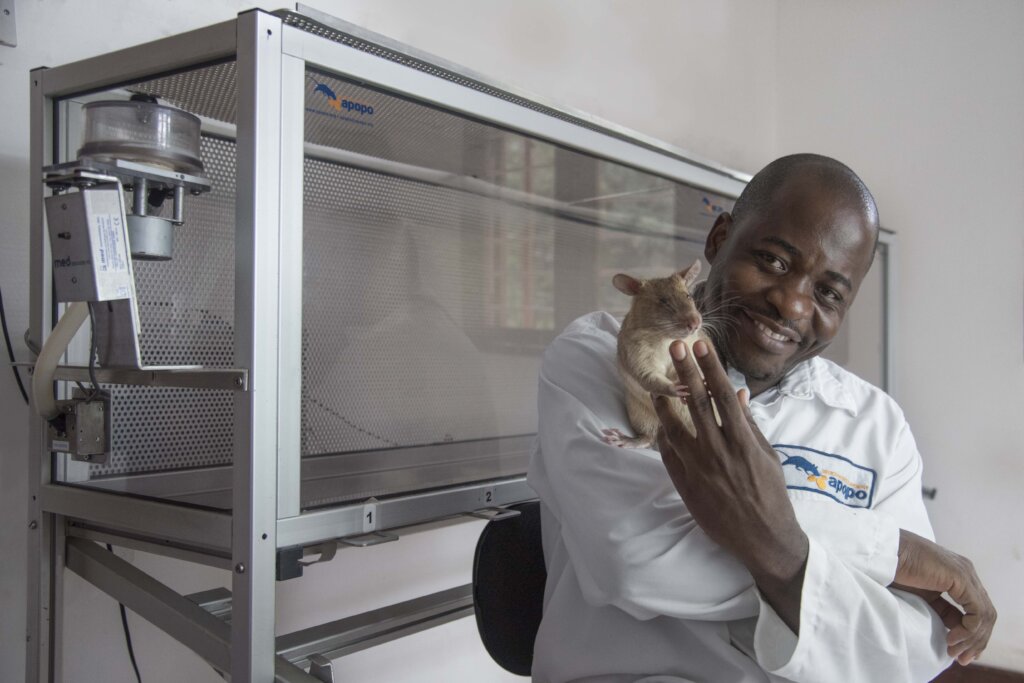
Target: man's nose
(792, 300)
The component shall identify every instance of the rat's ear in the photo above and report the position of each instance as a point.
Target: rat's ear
(689, 275)
(629, 286)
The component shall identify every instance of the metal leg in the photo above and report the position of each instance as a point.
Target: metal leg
(257, 319)
(40, 645)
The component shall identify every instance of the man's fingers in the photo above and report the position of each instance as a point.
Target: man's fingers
(673, 463)
(699, 400)
(718, 382)
(947, 611)
(672, 424)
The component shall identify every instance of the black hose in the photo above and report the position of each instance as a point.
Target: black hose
(10, 349)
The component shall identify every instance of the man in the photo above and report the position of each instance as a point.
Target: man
(775, 547)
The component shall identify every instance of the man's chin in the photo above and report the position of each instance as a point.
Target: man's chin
(752, 369)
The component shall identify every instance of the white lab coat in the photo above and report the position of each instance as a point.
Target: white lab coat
(637, 592)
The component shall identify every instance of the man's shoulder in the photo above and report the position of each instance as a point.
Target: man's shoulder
(831, 379)
(595, 332)
(583, 355)
(599, 324)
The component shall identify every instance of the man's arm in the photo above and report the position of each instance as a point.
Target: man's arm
(845, 620)
(929, 570)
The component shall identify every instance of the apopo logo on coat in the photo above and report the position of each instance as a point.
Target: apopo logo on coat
(831, 475)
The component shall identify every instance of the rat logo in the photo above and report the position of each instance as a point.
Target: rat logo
(808, 468)
(710, 207)
(338, 104)
(828, 474)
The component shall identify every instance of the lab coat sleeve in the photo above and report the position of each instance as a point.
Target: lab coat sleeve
(632, 542)
(852, 627)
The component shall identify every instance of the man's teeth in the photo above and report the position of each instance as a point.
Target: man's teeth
(771, 335)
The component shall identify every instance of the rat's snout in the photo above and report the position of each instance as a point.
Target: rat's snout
(691, 322)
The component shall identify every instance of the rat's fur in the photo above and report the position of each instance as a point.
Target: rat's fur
(662, 311)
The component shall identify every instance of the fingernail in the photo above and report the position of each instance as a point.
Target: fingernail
(700, 349)
(678, 350)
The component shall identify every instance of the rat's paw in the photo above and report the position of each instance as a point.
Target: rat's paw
(613, 437)
(681, 390)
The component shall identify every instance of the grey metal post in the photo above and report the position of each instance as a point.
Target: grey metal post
(39, 634)
(289, 452)
(257, 264)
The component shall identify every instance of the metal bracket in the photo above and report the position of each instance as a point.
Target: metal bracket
(327, 552)
(8, 26)
(320, 668)
(493, 513)
(366, 540)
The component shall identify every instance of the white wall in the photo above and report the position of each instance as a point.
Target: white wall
(697, 73)
(925, 100)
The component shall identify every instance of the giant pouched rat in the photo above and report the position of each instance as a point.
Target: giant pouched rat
(662, 311)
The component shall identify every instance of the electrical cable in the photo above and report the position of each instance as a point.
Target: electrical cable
(10, 350)
(127, 634)
(93, 351)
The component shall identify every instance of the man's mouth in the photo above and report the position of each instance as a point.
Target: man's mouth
(771, 335)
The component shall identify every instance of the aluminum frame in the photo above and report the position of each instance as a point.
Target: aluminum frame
(393, 77)
(266, 513)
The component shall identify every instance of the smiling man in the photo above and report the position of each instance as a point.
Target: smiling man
(790, 259)
(789, 542)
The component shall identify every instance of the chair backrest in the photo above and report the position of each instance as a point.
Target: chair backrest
(508, 587)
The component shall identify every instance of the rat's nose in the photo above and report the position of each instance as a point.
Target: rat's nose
(692, 322)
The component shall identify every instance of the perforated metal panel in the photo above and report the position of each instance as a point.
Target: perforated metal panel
(209, 91)
(186, 309)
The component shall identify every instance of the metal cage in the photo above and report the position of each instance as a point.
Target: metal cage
(389, 244)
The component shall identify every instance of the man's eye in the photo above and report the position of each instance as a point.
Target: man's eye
(830, 294)
(772, 261)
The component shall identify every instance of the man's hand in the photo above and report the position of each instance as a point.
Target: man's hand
(730, 479)
(929, 570)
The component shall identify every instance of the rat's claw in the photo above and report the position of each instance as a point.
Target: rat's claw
(681, 390)
(613, 437)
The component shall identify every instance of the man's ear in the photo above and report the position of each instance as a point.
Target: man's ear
(718, 235)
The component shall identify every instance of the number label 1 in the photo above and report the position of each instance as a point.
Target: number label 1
(369, 517)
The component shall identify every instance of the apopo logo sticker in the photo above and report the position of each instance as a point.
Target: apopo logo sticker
(828, 474)
(345, 109)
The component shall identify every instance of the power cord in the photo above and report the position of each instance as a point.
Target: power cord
(10, 350)
(127, 634)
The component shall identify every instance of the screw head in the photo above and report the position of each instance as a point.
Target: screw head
(238, 381)
(239, 568)
(33, 524)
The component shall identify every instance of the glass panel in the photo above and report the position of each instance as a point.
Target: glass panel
(441, 255)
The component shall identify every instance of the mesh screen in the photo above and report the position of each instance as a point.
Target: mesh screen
(209, 91)
(427, 301)
(186, 311)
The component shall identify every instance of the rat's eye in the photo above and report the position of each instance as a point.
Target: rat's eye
(663, 301)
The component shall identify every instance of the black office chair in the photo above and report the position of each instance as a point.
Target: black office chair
(508, 587)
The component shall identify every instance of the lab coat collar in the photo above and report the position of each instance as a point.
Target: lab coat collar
(813, 379)
(808, 380)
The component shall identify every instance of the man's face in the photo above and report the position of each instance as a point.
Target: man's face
(783, 278)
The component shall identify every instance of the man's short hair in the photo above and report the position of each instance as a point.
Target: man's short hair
(833, 175)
